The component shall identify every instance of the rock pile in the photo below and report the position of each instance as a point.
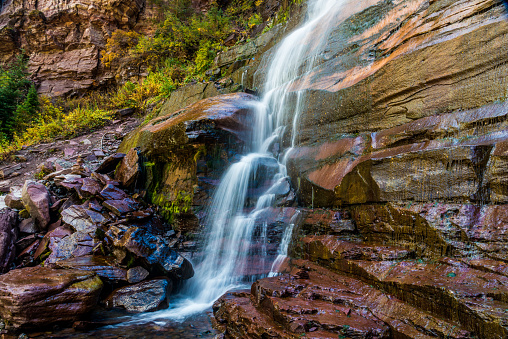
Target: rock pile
(66, 236)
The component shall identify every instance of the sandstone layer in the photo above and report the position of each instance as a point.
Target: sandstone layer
(64, 40)
(400, 168)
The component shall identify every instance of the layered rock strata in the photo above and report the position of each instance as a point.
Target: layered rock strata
(64, 40)
(402, 141)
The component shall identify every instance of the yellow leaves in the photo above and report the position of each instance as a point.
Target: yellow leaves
(118, 45)
(52, 122)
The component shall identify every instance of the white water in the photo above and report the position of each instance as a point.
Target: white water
(230, 229)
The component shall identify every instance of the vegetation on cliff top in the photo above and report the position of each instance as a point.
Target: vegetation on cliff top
(182, 50)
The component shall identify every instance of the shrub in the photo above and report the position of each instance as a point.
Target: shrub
(118, 45)
(14, 88)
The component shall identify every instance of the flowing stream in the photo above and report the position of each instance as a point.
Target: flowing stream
(229, 227)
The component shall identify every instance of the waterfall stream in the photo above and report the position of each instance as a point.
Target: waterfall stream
(229, 227)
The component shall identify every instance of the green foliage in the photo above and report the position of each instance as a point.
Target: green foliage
(27, 110)
(186, 38)
(50, 121)
(17, 98)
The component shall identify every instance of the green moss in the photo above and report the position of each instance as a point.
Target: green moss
(171, 207)
(90, 285)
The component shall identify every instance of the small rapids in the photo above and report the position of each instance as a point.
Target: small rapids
(229, 227)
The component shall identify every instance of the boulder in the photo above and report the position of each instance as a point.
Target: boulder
(120, 207)
(110, 163)
(228, 114)
(128, 171)
(136, 274)
(90, 188)
(35, 297)
(52, 238)
(152, 250)
(36, 200)
(28, 226)
(82, 219)
(110, 192)
(14, 199)
(204, 137)
(8, 238)
(75, 245)
(103, 266)
(143, 297)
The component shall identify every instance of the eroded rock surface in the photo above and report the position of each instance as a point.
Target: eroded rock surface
(39, 296)
(64, 40)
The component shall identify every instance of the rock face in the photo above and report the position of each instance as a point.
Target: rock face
(64, 39)
(188, 148)
(409, 100)
(402, 152)
(39, 296)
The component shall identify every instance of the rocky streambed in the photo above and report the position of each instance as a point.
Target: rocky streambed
(81, 238)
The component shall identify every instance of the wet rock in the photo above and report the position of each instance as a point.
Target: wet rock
(393, 225)
(52, 238)
(128, 171)
(110, 192)
(36, 200)
(281, 188)
(27, 226)
(323, 305)
(143, 297)
(452, 284)
(8, 238)
(152, 250)
(29, 295)
(103, 266)
(27, 241)
(110, 163)
(496, 176)
(120, 207)
(82, 220)
(75, 245)
(140, 215)
(172, 142)
(136, 274)
(28, 251)
(330, 250)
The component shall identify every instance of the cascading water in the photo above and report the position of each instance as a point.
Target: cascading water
(230, 228)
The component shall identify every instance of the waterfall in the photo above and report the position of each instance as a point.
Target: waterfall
(229, 227)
